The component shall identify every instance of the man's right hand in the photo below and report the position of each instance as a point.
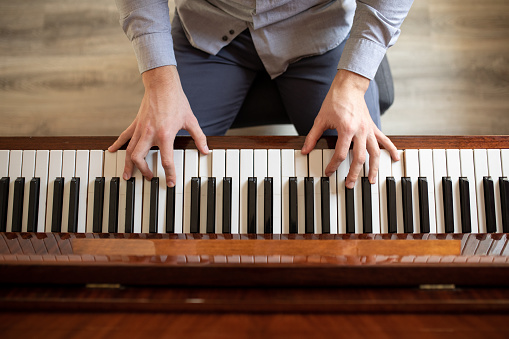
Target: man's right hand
(163, 112)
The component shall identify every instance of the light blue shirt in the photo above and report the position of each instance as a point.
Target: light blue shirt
(283, 31)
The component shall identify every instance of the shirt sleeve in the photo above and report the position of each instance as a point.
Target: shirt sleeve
(376, 27)
(146, 24)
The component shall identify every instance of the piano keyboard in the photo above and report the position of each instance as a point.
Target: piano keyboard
(241, 191)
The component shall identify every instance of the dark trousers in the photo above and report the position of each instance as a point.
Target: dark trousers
(216, 85)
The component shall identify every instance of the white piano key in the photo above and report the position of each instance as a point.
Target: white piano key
(178, 159)
(412, 171)
(82, 167)
(233, 171)
(504, 153)
(68, 171)
(301, 171)
(398, 170)
(467, 171)
(55, 171)
(315, 163)
(384, 171)
(274, 172)
(110, 171)
(161, 210)
(122, 189)
(41, 171)
(375, 206)
(151, 160)
(95, 170)
(359, 227)
(138, 200)
(327, 155)
(219, 172)
(426, 170)
(440, 171)
(246, 171)
(481, 170)
(4, 163)
(454, 171)
(15, 164)
(205, 171)
(260, 172)
(342, 173)
(27, 171)
(495, 172)
(190, 171)
(287, 171)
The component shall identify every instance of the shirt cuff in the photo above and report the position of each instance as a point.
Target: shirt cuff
(362, 56)
(154, 50)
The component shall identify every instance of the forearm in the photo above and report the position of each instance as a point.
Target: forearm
(147, 25)
(375, 28)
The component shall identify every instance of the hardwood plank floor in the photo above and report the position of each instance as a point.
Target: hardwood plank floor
(66, 68)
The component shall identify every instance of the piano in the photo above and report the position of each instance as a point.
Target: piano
(255, 228)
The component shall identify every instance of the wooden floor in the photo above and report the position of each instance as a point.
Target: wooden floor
(66, 68)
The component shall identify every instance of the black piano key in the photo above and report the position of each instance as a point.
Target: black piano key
(268, 214)
(367, 222)
(325, 195)
(211, 205)
(227, 205)
(466, 223)
(293, 205)
(98, 204)
(406, 193)
(350, 210)
(489, 204)
(195, 205)
(392, 217)
(33, 204)
(448, 206)
(113, 210)
(4, 202)
(129, 205)
(17, 204)
(74, 196)
(170, 209)
(58, 200)
(154, 205)
(309, 204)
(251, 204)
(424, 204)
(504, 202)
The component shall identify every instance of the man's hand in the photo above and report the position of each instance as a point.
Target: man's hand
(344, 109)
(163, 112)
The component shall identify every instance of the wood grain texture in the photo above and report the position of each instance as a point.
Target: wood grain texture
(66, 68)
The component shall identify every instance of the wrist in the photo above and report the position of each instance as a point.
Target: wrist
(348, 80)
(160, 76)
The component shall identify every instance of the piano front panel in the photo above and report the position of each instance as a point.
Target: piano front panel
(434, 159)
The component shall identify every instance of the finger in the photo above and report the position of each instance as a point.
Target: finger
(128, 164)
(123, 137)
(197, 134)
(359, 157)
(374, 158)
(138, 156)
(340, 153)
(166, 148)
(314, 134)
(387, 144)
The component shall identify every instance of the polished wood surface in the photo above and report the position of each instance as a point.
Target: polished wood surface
(256, 142)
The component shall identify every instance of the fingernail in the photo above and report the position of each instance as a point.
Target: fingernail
(125, 176)
(350, 184)
(206, 148)
(171, 183)
(372, 180)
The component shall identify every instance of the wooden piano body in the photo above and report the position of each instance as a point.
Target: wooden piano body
(214, 291)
